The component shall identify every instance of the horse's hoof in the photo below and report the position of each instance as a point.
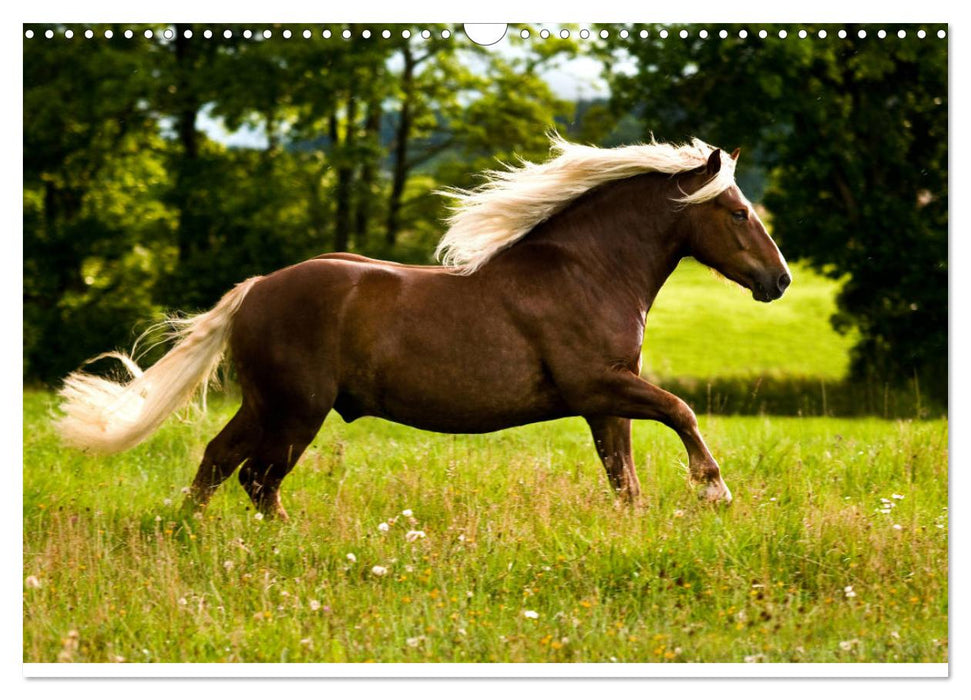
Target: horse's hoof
(717, 492)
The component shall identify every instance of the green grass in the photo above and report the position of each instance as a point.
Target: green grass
(516, 521)
(703, 326)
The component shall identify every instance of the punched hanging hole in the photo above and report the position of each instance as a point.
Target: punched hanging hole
(901, 34)
(683, 34)
(227, 34)
(148, 33)
(68, 34)
(921, 33)
(545, 33)
(446, 34)
(346, 33)
(366, 34)
(386, 34)
(49, 34)
(604, 33)
(307, 33)
(643, 34)
(624, 33)
(564, 33)
(326, 34)
(861, 33)
(742, 34)
(187, 33)
(425, 34)
(524, 34)
(287, 34)
(822, 33)
(485, 34)
(763, 34)
(88, 34)
(247, 34)
(723, 34)
(802, 33)
(703, 34)
(207, 34)
(841, 33)
(29, 34)
(783, 33)
(941, 34)
(267, 33)
(881, 34)
(129, 33)
(168, 34)
(584, 33)
(663, 33)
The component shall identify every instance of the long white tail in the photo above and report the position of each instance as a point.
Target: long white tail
(105, 416)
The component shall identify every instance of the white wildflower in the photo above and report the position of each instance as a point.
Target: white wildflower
(850, 593)
(407, 512)
(379, 570)
(679, 513)
(849, 644)
(228, 564)
(531, 614)
(384, 527)
(258, 516)
(32, 582)
(315, 605)
(413, 535)
(897, 496)
(897, 526)
(351, 558)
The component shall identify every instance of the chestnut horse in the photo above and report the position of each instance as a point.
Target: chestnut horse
(538, 314)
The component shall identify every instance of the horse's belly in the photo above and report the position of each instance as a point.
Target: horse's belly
(454, 403)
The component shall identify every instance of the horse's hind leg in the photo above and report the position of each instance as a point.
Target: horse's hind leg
(284, 438)
(611, 435)
(223, 454)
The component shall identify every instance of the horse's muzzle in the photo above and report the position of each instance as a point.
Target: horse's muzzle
(771, 290)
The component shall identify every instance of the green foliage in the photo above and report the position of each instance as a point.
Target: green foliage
(131, 209)
(515, 521)
(853, 136)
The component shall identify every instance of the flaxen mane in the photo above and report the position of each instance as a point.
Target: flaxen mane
(512, 202)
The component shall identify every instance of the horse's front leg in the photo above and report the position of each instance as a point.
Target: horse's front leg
(611, 435)
(623, 393)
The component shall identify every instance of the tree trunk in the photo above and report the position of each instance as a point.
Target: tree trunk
(187, 110)
(400, 167)
(342, 151)
(365, 198)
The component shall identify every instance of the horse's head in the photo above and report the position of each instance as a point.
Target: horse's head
(726, 234)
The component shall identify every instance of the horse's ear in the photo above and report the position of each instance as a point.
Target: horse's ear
(714, 162)
(735, 153)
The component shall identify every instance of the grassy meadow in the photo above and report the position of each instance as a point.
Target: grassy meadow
(510, 547)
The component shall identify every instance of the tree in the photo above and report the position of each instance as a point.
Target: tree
(852, 133)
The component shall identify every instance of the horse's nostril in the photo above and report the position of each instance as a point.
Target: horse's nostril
(784, 281)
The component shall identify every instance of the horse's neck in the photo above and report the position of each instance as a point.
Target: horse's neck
(624, 234)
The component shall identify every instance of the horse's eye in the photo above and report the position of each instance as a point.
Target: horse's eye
(740, 215)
